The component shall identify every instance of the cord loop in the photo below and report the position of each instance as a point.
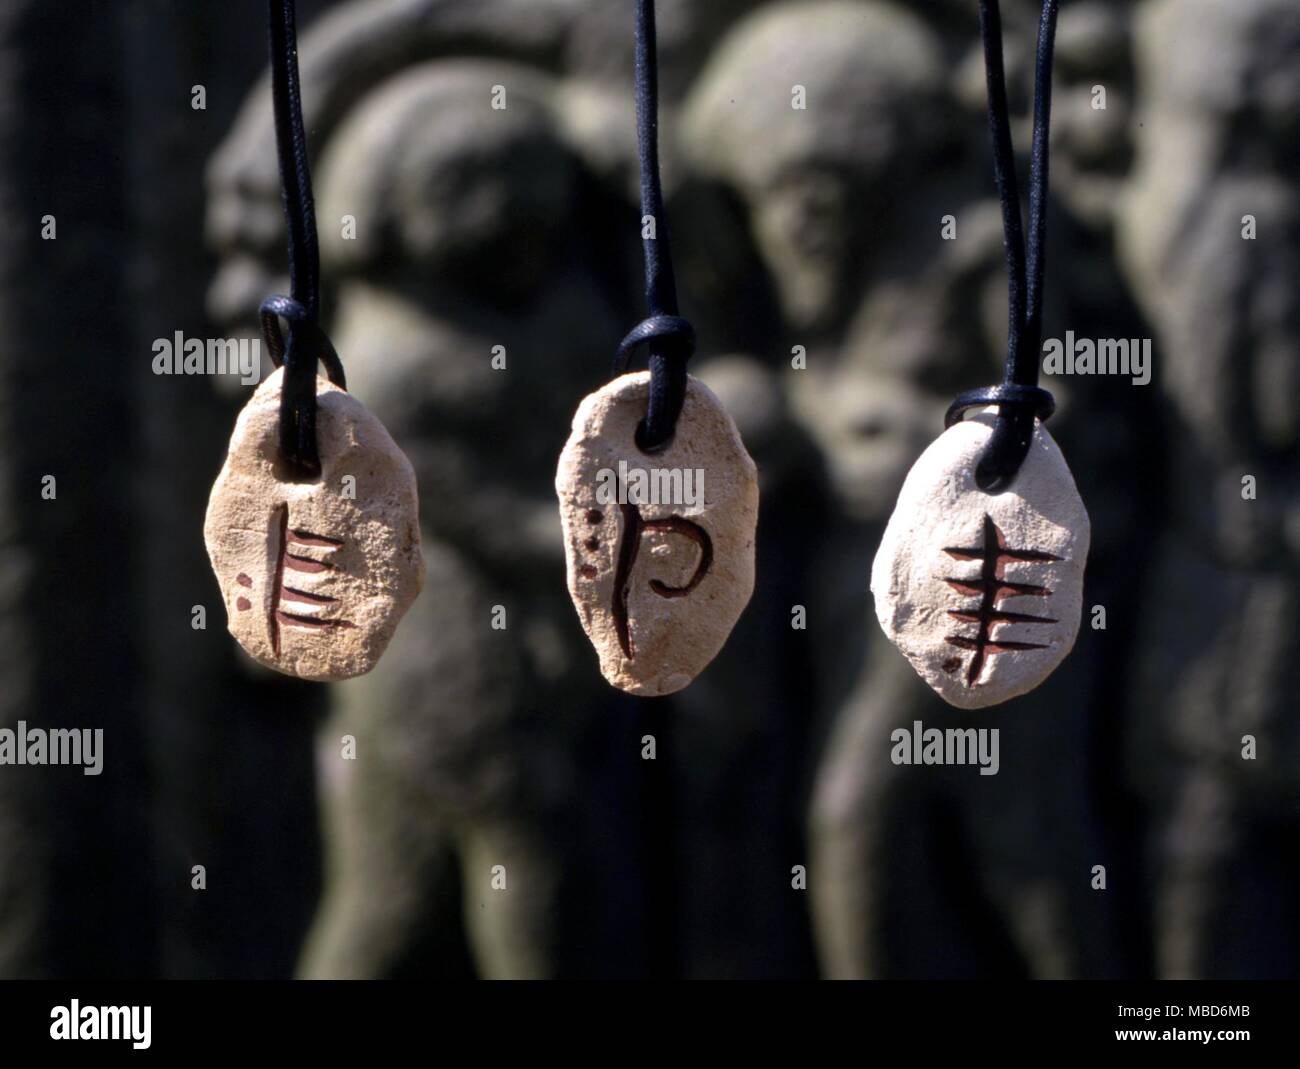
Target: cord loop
(675, 338)
(670, 337)
(664, 327)
(1019, 398)
(1031, 398)
(307, 343)
(302, 329)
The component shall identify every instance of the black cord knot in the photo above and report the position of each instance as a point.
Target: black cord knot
(1018, 406)
(307, 345)
(1034, 398)
(675, 332)
(672, 342)
(1019, 398)
(305, 335)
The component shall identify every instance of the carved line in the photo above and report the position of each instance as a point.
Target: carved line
(280, 550)
(286, 561)
(306, 538)
(290, 594)
(992, 588)
(698, 535)
(633, 528)
(311, 623)
(296, 563)
(627, 550)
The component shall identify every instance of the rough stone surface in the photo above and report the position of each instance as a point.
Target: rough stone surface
(873, 76)
(1218, 653)
(314, 580)
(658, 585)
(983, 592)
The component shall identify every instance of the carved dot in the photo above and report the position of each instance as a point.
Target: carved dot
(594, 515)
(243, 580)
(952, 664)
(587, 571)
(592, 543)
(243, 604)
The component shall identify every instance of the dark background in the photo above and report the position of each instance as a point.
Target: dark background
(477, 748)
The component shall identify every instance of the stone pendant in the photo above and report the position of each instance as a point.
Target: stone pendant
(659, 547)
(315, 575)
(983, 592)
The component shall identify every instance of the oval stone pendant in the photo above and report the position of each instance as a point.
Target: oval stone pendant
(983, 592)
(659, 547)
(315, 575)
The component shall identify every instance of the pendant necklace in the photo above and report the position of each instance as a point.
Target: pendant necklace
(979, 575)
(658, 496)
(313, 523)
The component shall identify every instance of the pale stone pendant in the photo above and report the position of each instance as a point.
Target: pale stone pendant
(315, 575)
(659, 547)
(983, 592)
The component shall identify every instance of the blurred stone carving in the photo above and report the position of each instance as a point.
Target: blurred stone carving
(847, 202)
(1210, 235)
(499, 817)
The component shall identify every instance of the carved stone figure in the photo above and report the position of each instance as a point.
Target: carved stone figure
(501, 816)
(890, 275)
(490, 806)
(1209, 235)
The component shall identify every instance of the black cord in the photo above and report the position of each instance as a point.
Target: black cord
(670, 337)
(1019, 399)
(307, 343)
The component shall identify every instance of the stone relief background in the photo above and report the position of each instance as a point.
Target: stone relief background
(475, 748)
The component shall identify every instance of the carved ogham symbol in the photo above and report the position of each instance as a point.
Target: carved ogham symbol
(292, 606)
(657, 584)
(315, 581)
(992, 587)
(303, 444)
(634, 526)
(955, 562)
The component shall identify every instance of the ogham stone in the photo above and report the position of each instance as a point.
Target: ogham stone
(983, 593)
(659, 547)
(315, 575)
